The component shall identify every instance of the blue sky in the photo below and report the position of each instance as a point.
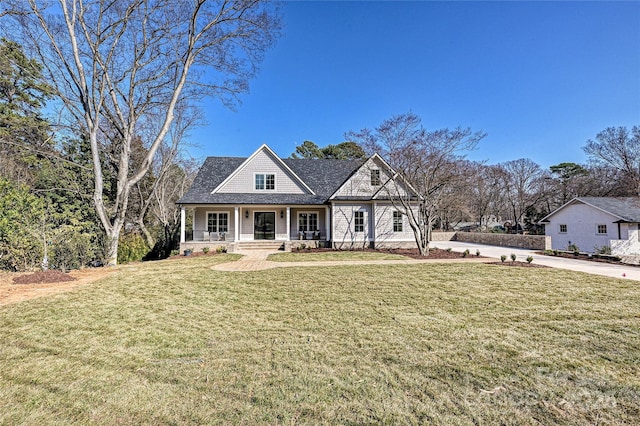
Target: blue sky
(540, 78)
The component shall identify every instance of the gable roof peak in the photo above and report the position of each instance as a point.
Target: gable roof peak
(264, 148)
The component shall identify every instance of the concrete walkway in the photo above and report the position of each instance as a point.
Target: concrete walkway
(256, 260)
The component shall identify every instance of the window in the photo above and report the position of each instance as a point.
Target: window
(397, 222)
(217, 222)
(358, 221)
(265, 182)
(270, 183)
(601, 229)
(563, 228)
(307, 222)
(375, 177)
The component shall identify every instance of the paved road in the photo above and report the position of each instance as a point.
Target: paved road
(256, 260)
(597, 268)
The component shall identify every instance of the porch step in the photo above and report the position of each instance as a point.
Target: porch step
(260, 245)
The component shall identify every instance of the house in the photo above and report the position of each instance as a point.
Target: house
(267, 201)
(591, 223)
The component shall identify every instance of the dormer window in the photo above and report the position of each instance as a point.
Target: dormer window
(375, 177)
(265, 182)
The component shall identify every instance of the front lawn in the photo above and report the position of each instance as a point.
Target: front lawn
(174, 342)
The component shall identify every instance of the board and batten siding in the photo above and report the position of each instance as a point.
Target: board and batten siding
(243, 182)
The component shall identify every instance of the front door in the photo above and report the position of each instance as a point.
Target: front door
(264, 226)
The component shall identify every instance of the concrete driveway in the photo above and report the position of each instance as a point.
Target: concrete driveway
(597, 268)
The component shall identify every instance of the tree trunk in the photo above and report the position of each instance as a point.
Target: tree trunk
(151, 242)
(112, 243)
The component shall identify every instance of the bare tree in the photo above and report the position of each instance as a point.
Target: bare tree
(620, 149)
(484, 195)
(162, 169)
(119, 65)
(522, 182)
(425, 163)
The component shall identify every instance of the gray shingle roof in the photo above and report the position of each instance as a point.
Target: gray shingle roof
(324, 177)
(626, 208)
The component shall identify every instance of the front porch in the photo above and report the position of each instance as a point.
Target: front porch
(233, 227)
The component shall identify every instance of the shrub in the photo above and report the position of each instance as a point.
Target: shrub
(221, 249)
(478, 252)
(465, 253)
(21, 227)
(132, 248)
(175, 252)
(205, 250)
(449, 250)
(602, 250)
(503, 258)
(513, 257)
(529, 259)
(574, 248)
(72, 249)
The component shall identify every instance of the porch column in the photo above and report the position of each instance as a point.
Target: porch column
(327, 222)
(374, 222)
(288, 223)
(236, 223)
(182, 224)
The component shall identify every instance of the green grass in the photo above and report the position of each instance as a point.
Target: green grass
(303, 256)
(175, 342)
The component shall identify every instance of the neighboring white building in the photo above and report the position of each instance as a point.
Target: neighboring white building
(594, 222)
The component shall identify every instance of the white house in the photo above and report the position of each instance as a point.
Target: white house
(286, 202)
(594, 222)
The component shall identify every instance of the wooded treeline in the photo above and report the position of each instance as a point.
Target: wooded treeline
(47, 218)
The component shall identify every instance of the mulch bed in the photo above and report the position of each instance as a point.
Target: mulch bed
(412, 253)
(433, 254)
(42, 277)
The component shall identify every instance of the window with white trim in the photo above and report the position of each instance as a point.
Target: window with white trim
(307, 222)
(563, 228)
(601, 229)
(358, 221)
(265, 181)
(217, 222)
(397, 221)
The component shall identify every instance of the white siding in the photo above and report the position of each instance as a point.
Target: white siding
(581, 221)
(384, 225)
(344, 235)
(243, 182)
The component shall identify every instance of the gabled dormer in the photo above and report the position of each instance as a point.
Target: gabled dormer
(263, 173)
(375, 179)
